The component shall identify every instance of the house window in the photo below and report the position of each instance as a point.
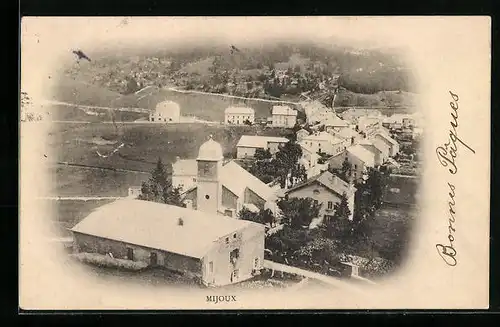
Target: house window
(355, 166)
(315, 202)
(234, 235)
(153, 258)
(207, 196)
(194, 179)
(152, 119)
(330, 205)
(227, 240)
(234, 256)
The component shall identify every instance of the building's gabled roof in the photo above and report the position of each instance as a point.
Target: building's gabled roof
(255, 141)
(387, 137)
(328, 180)
(284, 110)
(237, 179)
(185, 167)
(302, 131)
(167, 107)
(362, 154)
(347, 133)
(323, 136)
(156, 225)
(377, 145)
(334, 121)
(239, 110)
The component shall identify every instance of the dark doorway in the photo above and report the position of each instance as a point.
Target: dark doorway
(130, 253)
(153, 259)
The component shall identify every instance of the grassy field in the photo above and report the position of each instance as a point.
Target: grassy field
(144, 144)
(387, 99)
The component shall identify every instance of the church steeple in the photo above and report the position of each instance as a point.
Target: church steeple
(209, 190)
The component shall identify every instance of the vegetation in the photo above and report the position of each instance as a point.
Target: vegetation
(264, 216)
(159, 188)
(298, 212)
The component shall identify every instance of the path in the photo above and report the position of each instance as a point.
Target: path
(69, 164)
(312, 275)
(230, 96)
(80, 198)
(128, 109)
(403, 176)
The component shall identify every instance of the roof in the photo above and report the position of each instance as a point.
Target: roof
(155, 225)
(387, 137)
(347, 133)
(168, 106)
(284, 110)
(323, 136)
(255, 141)
(239, 110)
(330, 181)
(210, 151)
(334, 121)
(237, 179)
(185, 167)
(377, 145)
(363, 154)
(302, 131)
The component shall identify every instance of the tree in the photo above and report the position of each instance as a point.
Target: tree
(159, 188)
(339, 226)
(264, 216)
(298, 212)
(286, 158)
(261, 154)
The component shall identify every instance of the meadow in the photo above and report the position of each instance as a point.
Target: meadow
(143, 143)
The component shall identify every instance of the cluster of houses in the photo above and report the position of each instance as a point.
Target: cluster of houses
(281, 116)
(205, 239)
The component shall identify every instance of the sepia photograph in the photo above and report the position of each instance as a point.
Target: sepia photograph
(219, 165)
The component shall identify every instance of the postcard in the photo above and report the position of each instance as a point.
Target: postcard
(221, 163)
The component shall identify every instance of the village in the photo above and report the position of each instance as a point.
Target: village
(298, 205)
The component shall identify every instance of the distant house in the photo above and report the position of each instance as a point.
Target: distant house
(379, 149)
(134, 192)
(389, 141)
(166, 112)
(350, 135)
(184, 173)
(325, 189)
(369, 125)
(325, 142)
(284, 116)
(248, 144)
(309, 156)
(334, 124)
(213, 249)
(360, 159)
(239, 115)
(301, 134)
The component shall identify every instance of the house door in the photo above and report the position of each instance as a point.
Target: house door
(130, 253)
(153, 259)
(235, 276)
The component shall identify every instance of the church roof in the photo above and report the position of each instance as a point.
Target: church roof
(156, 225)
(237, 179)
(210, 151)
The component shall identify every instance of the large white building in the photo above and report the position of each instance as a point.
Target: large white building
(248, 144)
(325, 142)
(239, 115)
(284, 116)
(166, 112)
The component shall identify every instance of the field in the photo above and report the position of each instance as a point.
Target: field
(393, 100)
(143, 145)
(205, 106)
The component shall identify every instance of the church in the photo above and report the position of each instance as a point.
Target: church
(225, 188)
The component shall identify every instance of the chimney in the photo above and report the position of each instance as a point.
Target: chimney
(180, 222)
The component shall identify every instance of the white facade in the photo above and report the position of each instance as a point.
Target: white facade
(248, 144)
(238, 115)
(284, 116)
(166, 112)
(324, 142)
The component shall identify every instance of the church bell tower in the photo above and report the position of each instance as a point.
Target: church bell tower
(209, 189)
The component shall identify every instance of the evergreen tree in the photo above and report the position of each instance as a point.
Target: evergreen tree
(339, 226)
(159, 188)
(298, 212)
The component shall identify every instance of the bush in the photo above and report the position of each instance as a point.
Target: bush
(108, 262)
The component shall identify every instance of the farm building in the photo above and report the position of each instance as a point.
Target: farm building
(325, 142)
(226, 188)
(239, 115)
(167, 112)
(225, 250)
(334, 124)
(248, 144)
(284, 116)
(325, 189)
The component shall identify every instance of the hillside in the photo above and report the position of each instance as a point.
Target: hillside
(389, 99)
